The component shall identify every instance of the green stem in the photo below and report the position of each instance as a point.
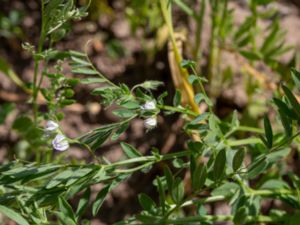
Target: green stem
(191, 201)
(44, 70)
(48, 156)
(87, 147)
(35, 106)
(267, 193)
(187, 87)
(250, 129)
(253, 33)
(149, 159)
(248, 190)
(202, 89)
(262, 193)
(198, 42)
(99, 74)
(223, 218)
(217, 198)
(244, 128)
(213, 51)
(131, 161)
(202, 201)
(132, 170)
(36, 66)
(253, 8)
(284, 142)
(177, 109)
(185, 8)
(246, 141)
(91, 151)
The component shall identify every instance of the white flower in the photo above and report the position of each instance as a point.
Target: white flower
(150, 105)
(150, 122)
(60, 142)
(51, 126)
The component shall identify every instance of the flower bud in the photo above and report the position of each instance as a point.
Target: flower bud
(51, 126)
(150, 123)
(60, 143)
(150, 105)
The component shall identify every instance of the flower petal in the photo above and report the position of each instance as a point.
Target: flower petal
(60, 143)
(51, 126)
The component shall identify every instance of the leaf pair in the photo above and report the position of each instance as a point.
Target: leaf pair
(175, 186)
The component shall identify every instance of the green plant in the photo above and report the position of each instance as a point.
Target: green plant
(222, 161)
(10, 24)
(249, 43)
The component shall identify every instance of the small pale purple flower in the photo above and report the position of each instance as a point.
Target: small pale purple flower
(51, 126)
(150, 122)
(150, 105)
(60, 143)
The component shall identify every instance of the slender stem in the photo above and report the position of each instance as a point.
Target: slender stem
(253, 33)
(200, 82)
(228, 134)
(253, 8)
(166, 12)
(274, 192)
(263, 193)
(223, 19)
(149, 159)
(257, 219)
(250, 129)
(36, 65)
(246, 141)
(199, 28)
(177, 109)
(48, 156)
(176, 155)
(285, 141)
(135, 168)
(91, 151)
(248, 190)
(186, 8)
(35, 107)
(205, 200)
(213, 51)
(8, 70)
(99, 74)
(45, 70)
(244, 128)
(75, 141)
(202, 89)
(131, 161)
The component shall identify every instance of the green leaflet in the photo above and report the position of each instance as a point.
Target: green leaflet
(13, 215)
(130, 151)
